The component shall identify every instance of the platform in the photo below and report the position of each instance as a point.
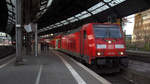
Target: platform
(50, 67)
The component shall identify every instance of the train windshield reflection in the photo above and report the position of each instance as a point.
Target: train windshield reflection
(107, 31)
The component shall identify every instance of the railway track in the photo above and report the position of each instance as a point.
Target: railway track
(137, 71)
(139, 55)
(6, 53)
(117, 78)
(114, 78)
(6, 59)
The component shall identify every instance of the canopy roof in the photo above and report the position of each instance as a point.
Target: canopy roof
(69, 14)
(55, 16)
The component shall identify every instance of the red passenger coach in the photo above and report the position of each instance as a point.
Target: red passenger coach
(56, 42)
(98, 44)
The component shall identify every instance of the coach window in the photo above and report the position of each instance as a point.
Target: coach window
(84, 33)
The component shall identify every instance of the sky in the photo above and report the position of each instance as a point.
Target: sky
(130, 25)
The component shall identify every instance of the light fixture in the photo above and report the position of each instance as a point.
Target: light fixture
(52, 34)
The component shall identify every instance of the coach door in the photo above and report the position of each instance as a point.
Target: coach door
(82, 41)
(57, 41)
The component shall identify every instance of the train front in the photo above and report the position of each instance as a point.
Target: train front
(110, 45)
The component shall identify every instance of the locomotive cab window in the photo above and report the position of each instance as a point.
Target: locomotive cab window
(107, 31)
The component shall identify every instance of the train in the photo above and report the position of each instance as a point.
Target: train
(95, 43)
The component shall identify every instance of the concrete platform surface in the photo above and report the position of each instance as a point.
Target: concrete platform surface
(49, 68)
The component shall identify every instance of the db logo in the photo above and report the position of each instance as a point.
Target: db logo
(111, 53)
(110, 46)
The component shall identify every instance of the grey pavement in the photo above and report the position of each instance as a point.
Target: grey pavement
(53, 71)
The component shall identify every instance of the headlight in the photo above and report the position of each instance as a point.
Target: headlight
(121, 53)
(101, 46)
(119, 46)
(98, 53)
(109, 42)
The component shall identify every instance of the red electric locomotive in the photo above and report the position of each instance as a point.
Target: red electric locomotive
(95, 43)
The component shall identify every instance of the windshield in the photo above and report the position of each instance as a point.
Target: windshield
(107, 31)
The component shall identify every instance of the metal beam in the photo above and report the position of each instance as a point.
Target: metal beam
(115, 11)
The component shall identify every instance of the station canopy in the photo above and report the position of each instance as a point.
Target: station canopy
(69, 14)
(55, 16)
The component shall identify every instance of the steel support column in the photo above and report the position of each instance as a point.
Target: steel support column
(18, 31)
(36, 40)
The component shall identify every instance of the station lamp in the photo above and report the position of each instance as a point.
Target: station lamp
(52, 34)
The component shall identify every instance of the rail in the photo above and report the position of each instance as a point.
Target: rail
(6, 51)
(138, 55)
